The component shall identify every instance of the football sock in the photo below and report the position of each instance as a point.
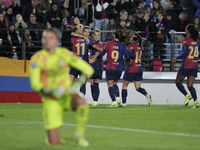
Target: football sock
(116, 89)
(93, 92)
(111, 93)
(82, 113)
(96, 91)
(124, 95)
(181, 88)
(193, 92)
(82, 89)
(142, 91)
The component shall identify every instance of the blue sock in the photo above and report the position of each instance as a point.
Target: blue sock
(124, 95)
(92, 91)
(111, 93)
(142, 91)
(116, 89)
(96, 91)
(193, 92)
(82, 89)
(181, 88)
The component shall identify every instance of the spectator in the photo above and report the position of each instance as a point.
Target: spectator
(196, 3)
(174, 9)
(43, 8)
(69, 23)
(8, 3)
(2, 7)
(77, 7)
(142, 23)
(140, 14)
(17, 8)
(13, 41)
(88, 15)
(9, 16)
(157, 8)
(19, 22)
(127, 5)
(30, 43)
(122, 22)
(131, 21)
(30, 8)
(110, 27)
(54, 16)
(182, 22)
(113, 11)
(33, 24)
(3, 25)
(172, 23)
(101, 13)
(149, 5)
(196, 23)
(159, 38)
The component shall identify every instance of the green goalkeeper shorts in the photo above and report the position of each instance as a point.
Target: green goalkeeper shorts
(53, 111)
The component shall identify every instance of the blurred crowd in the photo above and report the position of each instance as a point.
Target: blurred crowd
(156, 16)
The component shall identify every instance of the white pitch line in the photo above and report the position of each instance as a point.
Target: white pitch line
(118, 128)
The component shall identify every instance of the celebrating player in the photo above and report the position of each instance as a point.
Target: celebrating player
(134, 71)
(49, 75)
(98, 67)
(115, 51)
(189, 65)
(81, 44)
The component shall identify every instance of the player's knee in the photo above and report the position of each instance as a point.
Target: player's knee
(77, 100)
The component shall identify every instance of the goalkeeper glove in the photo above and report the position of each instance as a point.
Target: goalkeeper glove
(73, 89)
(57, 92)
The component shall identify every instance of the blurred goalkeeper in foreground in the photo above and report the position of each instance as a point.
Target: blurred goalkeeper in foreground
(49, 75)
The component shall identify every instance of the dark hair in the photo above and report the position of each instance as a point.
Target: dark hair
(168, 14)
(70, 11)
(173, 2)
(86, 27)
(194, 19)
(121, 35)
(135, 37)
(164, 20)
(193, 31)
(53, 30)
(32, 14)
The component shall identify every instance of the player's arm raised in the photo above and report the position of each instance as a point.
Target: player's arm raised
(81, 36)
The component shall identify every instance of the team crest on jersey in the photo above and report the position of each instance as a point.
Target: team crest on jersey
(34, 65)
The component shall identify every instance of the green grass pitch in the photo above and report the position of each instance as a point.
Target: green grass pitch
(135, 127)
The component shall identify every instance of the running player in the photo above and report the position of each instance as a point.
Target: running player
(189, 65)
(49, 75)
(134, 71)
(115, 51)
(98, 67)
(81, 44)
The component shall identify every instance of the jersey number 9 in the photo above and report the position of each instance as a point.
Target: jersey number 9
(195, 50)
(115, 55)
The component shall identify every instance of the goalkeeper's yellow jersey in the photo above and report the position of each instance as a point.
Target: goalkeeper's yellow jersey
(52, 71)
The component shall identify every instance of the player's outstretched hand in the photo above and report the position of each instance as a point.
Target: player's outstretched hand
(92, 60)
(174, 60)
(87, 40)
(58, 92)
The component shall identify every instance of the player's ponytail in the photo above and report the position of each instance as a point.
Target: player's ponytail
(135, 37)
(193, 31)
(79, 29)
(121, 35)
(139, 39)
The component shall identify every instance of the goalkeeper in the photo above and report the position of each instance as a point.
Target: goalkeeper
(49, 75)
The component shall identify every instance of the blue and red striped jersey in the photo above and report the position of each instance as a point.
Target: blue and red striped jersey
(97, 65)
(191, 48)
(135, 52)
(80, 47)
(115, 51)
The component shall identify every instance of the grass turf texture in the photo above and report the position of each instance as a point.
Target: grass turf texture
(21, 128)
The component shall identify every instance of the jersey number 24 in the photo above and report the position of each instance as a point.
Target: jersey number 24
(195, 50)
